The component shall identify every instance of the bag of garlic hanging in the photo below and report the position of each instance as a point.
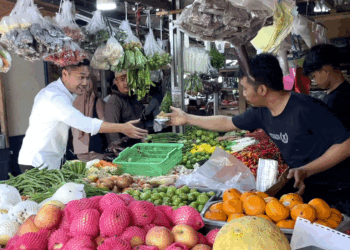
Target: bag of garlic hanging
(65, 18)
(22, 16)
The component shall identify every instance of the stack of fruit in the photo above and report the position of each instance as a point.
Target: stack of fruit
(283, 212)
(172, 196)
(109, 222)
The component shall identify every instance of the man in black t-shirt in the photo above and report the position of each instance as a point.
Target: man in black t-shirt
(311, 138)
(322, 64)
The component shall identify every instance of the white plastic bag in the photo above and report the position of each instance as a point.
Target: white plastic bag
(151, 46)
(113, 51)
(301, 27)
(196, 60)
(222, 171)
(67, 193)
(131, 37)
(9, 195)
(65, 18)
(23, 210)
(282, 55)
(99, 60)
(96, 23)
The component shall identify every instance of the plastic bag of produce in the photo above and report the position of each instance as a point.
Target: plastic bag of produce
(96, 23)
(131, 37)
(222, 171)
(5, 60)
(151, 46)
(99, 61)
(301, 27)
(65, 18)
(113, 51)
(9, 195)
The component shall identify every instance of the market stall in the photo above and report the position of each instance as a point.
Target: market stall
(187, 189)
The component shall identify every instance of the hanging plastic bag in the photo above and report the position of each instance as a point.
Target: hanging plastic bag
(131, 37)
(65, 18)
(282, 55)
(151, 46)
(5, 59)
(113, 51)
(301, 27)
(222, 171)
(72, 54)
(99, 61)
(96, 23)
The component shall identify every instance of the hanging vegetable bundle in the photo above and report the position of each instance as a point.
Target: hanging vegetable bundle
(133, 58)
(5, 60)
(194, 84)
(71, 54)
(167, 102)
(217, 59)
(65, 18)
(139, 81)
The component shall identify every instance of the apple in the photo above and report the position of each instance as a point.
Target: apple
(48, 217)
(186, 235)
(160, 237)
(28, 226)
(201, 247)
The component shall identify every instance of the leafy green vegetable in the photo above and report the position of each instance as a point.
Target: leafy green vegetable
(166, 103)
(217, 59)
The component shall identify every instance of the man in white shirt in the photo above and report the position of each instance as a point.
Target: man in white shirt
(45, 142)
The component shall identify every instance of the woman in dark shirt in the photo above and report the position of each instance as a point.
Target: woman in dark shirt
(322, 64)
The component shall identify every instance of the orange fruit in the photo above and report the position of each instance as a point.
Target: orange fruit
(264, 217)
(291, 197)
(335, 217)
(304, 211)
(286, 224)
(268, 199)
(291, 203)
(337, 212)
(217, 206)
(234, 216)
(234, 206)
(277, 211)
(215, 214)
(230, 194)
(323, 223)
(323, 211)
(333, 223)
(254, 205)
(262, 194)
(245, 195)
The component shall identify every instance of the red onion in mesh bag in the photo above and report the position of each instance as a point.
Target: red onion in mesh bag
(115, 243)
(176, 246)
(142, 213)
(114, 220)
(127, 198)
(59, 237)
(86, 222)
(134, 235)
(32, 241)
(189, 216)
(161, 219)
(211, 236)
(109, 200)
(80, 242)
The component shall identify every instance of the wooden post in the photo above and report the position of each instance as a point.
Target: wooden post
(3, 117)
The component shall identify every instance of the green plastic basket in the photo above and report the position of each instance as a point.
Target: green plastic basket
(150, 159)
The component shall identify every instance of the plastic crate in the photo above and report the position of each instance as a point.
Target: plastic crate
(150, 159)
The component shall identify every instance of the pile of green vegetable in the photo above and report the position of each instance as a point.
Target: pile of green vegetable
(167, 102)
(194, 84)
(158, 61)
(172, 196)
(164, 138)
(37, 184)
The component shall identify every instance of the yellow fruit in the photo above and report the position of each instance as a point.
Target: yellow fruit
(248, 233)
(323, 211)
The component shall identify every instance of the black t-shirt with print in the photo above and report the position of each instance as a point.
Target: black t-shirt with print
(304, 131)
(339, 102)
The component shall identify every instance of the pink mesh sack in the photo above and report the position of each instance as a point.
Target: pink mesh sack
(176, 246)
(127, 198)
(114, 221)
(59, 238)
(148, 227)
(189, 216)
(109, 200)
(32, 241)
(161, 219)
(80, 242)
(134, 235)
(115, 243)
(12, 242)
(168, 211)
(202, 239)
(86, 222)
(211, 236)
(142, 213)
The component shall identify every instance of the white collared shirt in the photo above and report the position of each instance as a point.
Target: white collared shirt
(52, 115)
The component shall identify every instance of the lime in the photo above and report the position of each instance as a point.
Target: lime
(211, 194)
(182, 204)
(175, 197)
(136, 193)
(154, 191)
(172, 189)
(148, 192)
(166, 199)
(155, 197)
(191, 197)
(158, 202)
(170, 193)
(145, 196)
(194, 205)
(150, 200)
(193, 190)
(130, 191)
(197, 194)
(176, 202)
(202, 199)
(200, 208)
(178, 192)
(183, 197)
(199, 133)
(137, 198)
(186, 189)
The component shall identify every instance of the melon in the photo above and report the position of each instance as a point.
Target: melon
(248, 231)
